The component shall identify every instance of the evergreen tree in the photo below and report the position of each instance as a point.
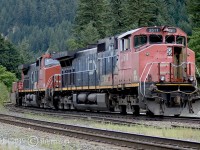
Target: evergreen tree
(139, 13)
(26, 56)
(178, 15)
(88, 35)
(95, 12)
(9, 56)
(194, 10)
(162, 13)
(91, 23)
(72, 44)
(194, 43)
(117, 16)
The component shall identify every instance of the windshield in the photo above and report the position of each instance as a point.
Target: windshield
(51, 62)
(169, 39)
(180, 40)
(154, 38)
(140, 40)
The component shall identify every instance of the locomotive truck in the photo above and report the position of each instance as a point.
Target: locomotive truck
(148, 68)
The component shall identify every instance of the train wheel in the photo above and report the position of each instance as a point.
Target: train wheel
(136, 110)
(55, 104)
(123, 109)
(112, 109)
(61, 106)
(38, 101)
(18, 102)
(18, 99)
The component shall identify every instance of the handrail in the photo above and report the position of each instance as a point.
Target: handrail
(140, 81)
(147, 75)
(87, 71)
(152, 63)
(50, 80)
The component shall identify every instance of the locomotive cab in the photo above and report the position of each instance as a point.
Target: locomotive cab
(168, 84)
(36, 79)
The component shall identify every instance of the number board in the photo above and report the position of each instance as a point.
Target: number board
(172, 30)
(153, 30)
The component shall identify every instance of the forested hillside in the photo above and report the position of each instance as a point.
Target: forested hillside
(40, 25)
(37, 25)
(99, 18)
(194, 43)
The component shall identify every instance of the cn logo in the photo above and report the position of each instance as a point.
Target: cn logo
(169, 51)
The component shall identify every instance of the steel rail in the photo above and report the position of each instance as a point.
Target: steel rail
(108, 117)
(113, 137)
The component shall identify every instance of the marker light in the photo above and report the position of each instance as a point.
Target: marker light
(162, 78)
(191, 78)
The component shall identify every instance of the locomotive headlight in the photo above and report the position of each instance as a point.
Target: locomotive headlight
(162, 78)
(191, 78)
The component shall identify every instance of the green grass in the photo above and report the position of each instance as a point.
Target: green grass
(4, 94)
(59, 146)
(177, 133)
(168, 132)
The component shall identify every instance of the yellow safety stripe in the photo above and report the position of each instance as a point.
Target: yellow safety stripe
(173, 84)
(87, 88)
(98, 87)
(32, 90)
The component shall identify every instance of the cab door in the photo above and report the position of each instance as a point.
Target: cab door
(39, 65)
(125, 60)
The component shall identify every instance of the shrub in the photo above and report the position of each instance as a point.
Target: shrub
(7, 77)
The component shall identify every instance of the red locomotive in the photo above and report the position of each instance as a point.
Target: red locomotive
(147, 68)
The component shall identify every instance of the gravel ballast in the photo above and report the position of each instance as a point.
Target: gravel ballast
(12, 137)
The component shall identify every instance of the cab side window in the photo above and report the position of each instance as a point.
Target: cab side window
(125, 43)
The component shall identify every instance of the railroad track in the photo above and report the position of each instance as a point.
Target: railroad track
(123, 139)
(107, 117)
